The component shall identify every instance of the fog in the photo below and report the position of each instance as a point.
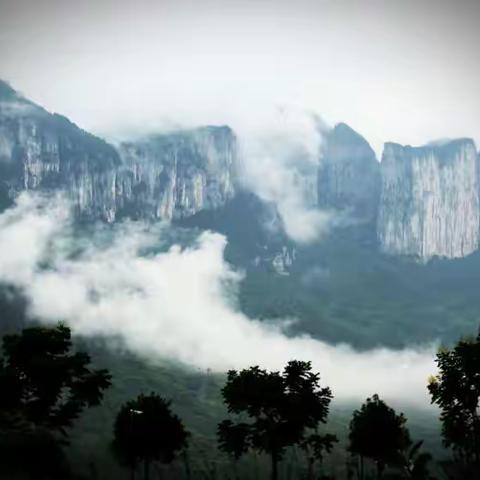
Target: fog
(279, 150)
(179, 304)
(404, 71)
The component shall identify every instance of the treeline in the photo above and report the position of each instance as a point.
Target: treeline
(45, 386)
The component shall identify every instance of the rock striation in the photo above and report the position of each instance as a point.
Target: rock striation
(177, 175)
(349, 174)
(429, 203)
(166, 176)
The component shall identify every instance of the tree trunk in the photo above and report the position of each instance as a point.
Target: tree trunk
(274, 466)
(310, 469)
(380, 468)
(146, 470)
(188, 474)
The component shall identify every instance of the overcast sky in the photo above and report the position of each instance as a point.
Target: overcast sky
(399, 70)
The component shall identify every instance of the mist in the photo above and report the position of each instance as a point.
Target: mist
(279, 150)
(178, 304)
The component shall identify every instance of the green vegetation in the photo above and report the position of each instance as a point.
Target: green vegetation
(286, 410)
(48, 388)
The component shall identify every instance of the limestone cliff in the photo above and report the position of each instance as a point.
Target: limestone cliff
(429, 203)
(349, 174)
(167, 176)
(177, 175)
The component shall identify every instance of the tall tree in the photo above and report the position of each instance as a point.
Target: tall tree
(283, 409)
(147, 431)
(44, 388)
(456, 390)
(43, 384)
(379, 434)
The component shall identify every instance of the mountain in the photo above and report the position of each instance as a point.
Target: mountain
(349, 174)
(429, 203)
(39, 150)
(421, 202)
(177, 175)
(164, 176)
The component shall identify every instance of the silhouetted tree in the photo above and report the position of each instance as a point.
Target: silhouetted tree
(43, 384)
(379, 434)
(315, 446)
(147, 431)
(456, 390)
(284, 408)
(44, 388)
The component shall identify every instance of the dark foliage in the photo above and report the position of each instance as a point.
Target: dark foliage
(456, 390)
(283, 408)
(147, 431)
(43, 384)
(377, 433)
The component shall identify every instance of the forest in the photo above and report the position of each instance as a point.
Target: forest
(276, 423)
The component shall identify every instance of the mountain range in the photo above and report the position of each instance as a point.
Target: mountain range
(420, 202)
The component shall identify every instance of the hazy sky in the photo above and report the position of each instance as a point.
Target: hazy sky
(401, 70)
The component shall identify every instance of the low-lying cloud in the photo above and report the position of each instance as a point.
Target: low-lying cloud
(280, 153)
(178, 304)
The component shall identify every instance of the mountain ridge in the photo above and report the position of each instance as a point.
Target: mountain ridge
(421, 201)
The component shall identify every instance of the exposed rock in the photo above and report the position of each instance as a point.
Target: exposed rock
(177, 175)
(283, 260)
(41, 151)
(167, 176)
(429, 202)
(349, 174)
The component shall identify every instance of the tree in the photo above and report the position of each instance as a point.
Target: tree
(44, 388)
(147, 430)
(284, 408)
(416, 462)
(456, 390)
(379, 434)
(43, 384)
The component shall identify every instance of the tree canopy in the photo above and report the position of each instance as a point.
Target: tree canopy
(377, 433)
(43, 384)
(456, 390)
(146, 430)
(283, 409)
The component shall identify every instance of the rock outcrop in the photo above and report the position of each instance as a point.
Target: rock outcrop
(429, 203)
(167, 176)
(177, 175)
(349, 174)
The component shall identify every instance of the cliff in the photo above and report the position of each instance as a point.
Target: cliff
(167, 176)
(177, 175)
(429, 204)
(349, 174)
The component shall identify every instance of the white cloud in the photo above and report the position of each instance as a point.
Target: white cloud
(280, 152)
(179, 304)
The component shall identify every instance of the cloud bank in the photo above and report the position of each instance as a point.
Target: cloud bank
(178, 304)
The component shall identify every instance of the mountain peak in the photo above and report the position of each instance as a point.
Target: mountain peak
(345, 134)
(6, 91)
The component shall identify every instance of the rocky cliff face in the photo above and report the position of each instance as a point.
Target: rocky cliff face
(40, 151)
(177, 175)
(168, 176)
(429, 203)
(349, 174)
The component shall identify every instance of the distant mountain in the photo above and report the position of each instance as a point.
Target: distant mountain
(429, 203)
(177, 175)
(161, 177)
(349, 174)
(421, 202)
